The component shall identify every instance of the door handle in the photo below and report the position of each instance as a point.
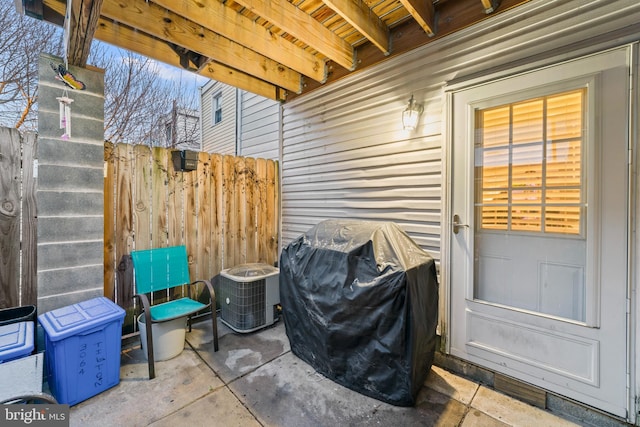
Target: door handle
(456, 224)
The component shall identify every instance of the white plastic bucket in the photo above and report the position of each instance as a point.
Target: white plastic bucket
(168, 337)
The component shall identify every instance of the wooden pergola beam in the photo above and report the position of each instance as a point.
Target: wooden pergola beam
(83, 18)
(363, 20)
(452, 16)
(490, 5)
(161, 23)
(423, 12)
(232, 25)
(146, 45)
(303, 27)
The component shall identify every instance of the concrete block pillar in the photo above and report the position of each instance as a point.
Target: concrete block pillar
(70, 187)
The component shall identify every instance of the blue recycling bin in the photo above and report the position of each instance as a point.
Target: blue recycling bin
(16, 341)
(82, 349)
(21, 314)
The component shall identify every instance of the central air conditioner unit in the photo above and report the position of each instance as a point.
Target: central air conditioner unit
(248, 296)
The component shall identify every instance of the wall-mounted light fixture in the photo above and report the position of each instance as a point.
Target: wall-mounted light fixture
(411, 114)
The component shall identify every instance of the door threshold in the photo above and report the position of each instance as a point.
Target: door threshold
(525, 392)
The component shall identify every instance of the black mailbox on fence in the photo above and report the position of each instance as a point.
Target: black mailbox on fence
(185, 160)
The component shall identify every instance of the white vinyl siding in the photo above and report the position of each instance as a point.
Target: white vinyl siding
(250, 125)
(220, 137)
(260, 129)
(345, 154)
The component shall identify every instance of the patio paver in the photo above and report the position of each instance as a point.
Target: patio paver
(254, 380)
(220, 408)
(138, 401)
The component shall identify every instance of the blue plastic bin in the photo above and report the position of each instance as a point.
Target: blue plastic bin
(16, 341)
(82, 349)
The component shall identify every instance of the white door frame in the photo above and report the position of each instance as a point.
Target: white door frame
(634, 241)
(633, 296)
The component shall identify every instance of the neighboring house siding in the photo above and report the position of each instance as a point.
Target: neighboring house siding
(188, 131)
(221, 137)
(186, 128)
(260, 127)
(345, 154)
(250, 124)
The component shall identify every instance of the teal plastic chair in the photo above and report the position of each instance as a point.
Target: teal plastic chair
(163, 269)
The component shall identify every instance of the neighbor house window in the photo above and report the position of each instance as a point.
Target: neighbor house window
(217, 108)
(529, 170)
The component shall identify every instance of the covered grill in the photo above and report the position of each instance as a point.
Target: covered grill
(360, 305)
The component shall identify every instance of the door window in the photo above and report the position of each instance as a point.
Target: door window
(529, 173)
(530, 204)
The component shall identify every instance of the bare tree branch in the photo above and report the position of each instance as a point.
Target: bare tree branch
(138, 98)
(21, 41)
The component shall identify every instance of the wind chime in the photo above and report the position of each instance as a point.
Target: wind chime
(64, 104)
(69, 80)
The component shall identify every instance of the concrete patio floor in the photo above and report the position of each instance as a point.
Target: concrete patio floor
(255, 380)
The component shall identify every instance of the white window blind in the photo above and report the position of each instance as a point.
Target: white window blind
(529, 164)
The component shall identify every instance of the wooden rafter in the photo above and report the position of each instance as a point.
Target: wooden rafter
(423, 12)
(452, 16)
(362, 19)
(294, 21)
(154, 48)
(81, 26)
(272, 46)
(161, 23)
(232, 25)
(490, 5)
(146, 45)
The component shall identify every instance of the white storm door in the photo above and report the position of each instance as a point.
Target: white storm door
(538, 236)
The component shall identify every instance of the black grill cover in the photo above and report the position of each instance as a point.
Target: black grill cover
(360, 305)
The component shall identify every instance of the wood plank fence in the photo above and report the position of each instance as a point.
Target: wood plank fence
(225, 212)
(18, 219)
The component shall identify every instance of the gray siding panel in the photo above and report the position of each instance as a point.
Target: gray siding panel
(345, 154)
(205, 115)
(221, 137)
(260, 131)
(250, 129)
